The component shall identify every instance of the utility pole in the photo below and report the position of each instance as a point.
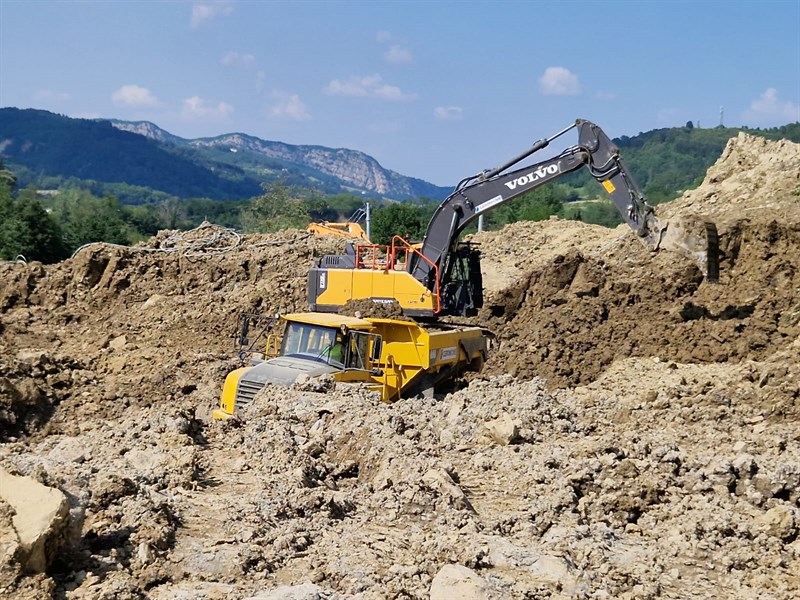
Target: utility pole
(367, 220)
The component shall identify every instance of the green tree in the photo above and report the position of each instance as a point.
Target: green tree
(537, 205)
(397, 219)
(85, 219)
(7, 178)
(228, 213)
(171, 212)
(277, 208)
(143, 221)
(26, 228)
(601, 212)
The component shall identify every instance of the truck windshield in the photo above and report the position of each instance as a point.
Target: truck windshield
(325, 344)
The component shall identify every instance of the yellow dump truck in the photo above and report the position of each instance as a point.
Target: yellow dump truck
(394, 357)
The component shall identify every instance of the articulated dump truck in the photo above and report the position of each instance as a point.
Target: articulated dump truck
(393, 357)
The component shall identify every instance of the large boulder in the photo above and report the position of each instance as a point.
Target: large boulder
(38, 516)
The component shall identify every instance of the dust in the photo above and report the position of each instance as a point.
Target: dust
(632, 436)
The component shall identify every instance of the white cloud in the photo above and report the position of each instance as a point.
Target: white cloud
(768, 109)
(204, 11)
(367, 87)
(197, 108)
(134, 96)
(289, 106)
(558, 81)
(398, 55)
(448, 113)
(234, 59)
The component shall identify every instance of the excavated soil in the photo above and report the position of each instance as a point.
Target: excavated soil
(633, 435)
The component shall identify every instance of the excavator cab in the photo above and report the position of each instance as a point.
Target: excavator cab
(463, 289)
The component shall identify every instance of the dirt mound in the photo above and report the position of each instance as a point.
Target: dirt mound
(633, 436)
(367, 308)
(754, 179)
(602, 297)
(128, 323)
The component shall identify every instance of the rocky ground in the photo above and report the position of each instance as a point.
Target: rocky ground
(634, 434)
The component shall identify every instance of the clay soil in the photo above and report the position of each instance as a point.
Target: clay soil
(633, 435)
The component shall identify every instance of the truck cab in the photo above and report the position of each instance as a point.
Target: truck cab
(313, 344)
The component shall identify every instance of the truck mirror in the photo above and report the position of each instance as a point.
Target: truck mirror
(377, 347)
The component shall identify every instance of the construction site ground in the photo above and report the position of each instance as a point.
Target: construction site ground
(634, 433)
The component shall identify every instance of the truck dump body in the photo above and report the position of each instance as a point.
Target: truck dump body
(416, 358)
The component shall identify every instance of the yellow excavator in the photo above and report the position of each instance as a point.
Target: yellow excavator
(345, 230)
(439, 277)
(443, 277)
(349, 229)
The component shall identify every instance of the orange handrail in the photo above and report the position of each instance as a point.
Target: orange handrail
(373, 261)
(367, 257)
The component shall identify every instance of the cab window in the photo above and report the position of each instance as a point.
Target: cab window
(307, 341)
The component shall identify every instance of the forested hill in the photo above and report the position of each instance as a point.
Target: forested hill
(667, 162)
(47, 150)
(139, 162)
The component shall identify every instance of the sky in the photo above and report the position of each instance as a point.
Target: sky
(434, 90)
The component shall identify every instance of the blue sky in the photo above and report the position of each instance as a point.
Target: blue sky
(434, 90)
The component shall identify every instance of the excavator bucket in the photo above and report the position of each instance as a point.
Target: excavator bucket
(694, 238)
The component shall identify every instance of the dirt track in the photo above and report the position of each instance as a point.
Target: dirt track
(634, 435)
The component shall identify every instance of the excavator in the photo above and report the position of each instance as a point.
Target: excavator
(349, 229)
(439, 277)
(442, 276)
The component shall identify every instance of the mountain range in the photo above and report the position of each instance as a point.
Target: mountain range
(140, 162)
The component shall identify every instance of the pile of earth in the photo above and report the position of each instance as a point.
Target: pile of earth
(568, 299)
(633, 436)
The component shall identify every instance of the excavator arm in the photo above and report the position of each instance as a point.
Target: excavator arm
(483, 192)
